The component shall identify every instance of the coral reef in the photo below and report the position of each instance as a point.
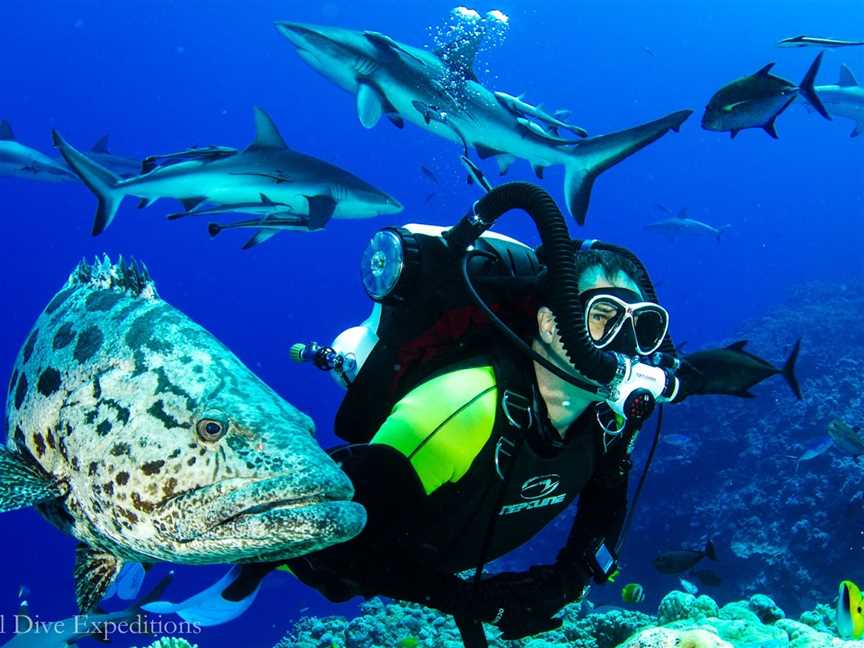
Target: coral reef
(171, 642)
(682, 621)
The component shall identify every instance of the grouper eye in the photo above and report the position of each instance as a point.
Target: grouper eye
(211, 427)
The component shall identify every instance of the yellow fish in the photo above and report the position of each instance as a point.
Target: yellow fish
(632, 593)
(850, 611)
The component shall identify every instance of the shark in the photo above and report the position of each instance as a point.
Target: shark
(134, 430)
(845, 99)
(310, 186)
(20, 161)
(439, 92)
(682, 224)
(816, 41)
(122, 166)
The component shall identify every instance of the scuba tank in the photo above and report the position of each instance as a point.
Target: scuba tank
(443, 295)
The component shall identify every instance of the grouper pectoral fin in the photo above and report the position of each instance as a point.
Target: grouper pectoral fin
(211, 606)
(591, 157)
(370, 104)
(95, 571)
(24, 483)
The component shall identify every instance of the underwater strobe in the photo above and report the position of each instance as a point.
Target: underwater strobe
(326, 359)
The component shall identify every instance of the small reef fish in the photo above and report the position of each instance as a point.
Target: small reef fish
(681, 224)
(733, 371)
(708, 577)
(847, 438)
(850, 619)
(20, 161)
(632, 593)
(816, 41)
(688, 587)
(757, 100)
(678, 562)
(35, 633)
(137, 432)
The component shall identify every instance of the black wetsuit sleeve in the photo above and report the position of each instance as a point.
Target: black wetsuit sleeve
(384, 558)
(602, 508)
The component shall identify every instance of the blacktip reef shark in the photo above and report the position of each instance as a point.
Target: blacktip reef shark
(134, 430)
(406, 83)
(310, 186)
(816, 41)
(845, 99)
(21, 161)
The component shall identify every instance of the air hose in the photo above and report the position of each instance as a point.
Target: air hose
(563, 280)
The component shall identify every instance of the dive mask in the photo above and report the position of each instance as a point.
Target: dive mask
(616, 319)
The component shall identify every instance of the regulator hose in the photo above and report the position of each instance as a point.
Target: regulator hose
(563, 280)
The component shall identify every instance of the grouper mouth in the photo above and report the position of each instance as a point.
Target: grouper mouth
(263, 513)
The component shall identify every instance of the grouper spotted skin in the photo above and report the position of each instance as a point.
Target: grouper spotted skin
(136, 431)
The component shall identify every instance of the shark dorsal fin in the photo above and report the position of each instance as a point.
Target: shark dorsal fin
(737, 346)
(459, 55)
(847, 79)
(683, 213)
(763, 71)
(6, 130)
(267, 136)
(265, 200)
(101, 145)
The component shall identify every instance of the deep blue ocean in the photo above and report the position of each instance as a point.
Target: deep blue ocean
(163, 75)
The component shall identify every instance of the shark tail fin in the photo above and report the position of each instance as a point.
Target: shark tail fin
(807, 87)
(593, 156)
(99, 180)
(789, 370)
(721, 232)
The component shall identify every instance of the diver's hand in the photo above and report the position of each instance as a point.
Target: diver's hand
(523, 604)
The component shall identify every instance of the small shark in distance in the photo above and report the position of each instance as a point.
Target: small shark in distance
(682, 224)
(20, 161)
(845, 99)
(439, 92)
(815, 41)
(310, 186)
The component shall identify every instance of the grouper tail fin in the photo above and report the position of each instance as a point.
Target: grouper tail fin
(101, 181)
(789, 370)
(593, 156)
(807, 87)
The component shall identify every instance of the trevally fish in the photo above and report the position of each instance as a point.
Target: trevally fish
(137, 432)
(845, 99)
(310, 186)
(20, 161)
(816, 41)
(847, 439)
(682, 224)
(733, 371)
(678, 562)
(405, 83)
(757, 100)
(36, 633)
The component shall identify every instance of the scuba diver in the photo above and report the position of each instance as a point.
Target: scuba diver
(492, 385)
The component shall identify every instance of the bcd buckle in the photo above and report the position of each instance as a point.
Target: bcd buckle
(518, 410)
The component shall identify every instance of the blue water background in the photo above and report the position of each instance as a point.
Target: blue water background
(161, 76)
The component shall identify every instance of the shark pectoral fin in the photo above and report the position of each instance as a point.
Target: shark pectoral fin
(487, 151)
(214, 228)
(23, 482)
(94, 572)
(578, 183)
(370, 104)
(321, 210)
(267, 135)
(191, 203)
(211, 606)
(505, 161)
(261, 236)
(538, 170)
(396, 120)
